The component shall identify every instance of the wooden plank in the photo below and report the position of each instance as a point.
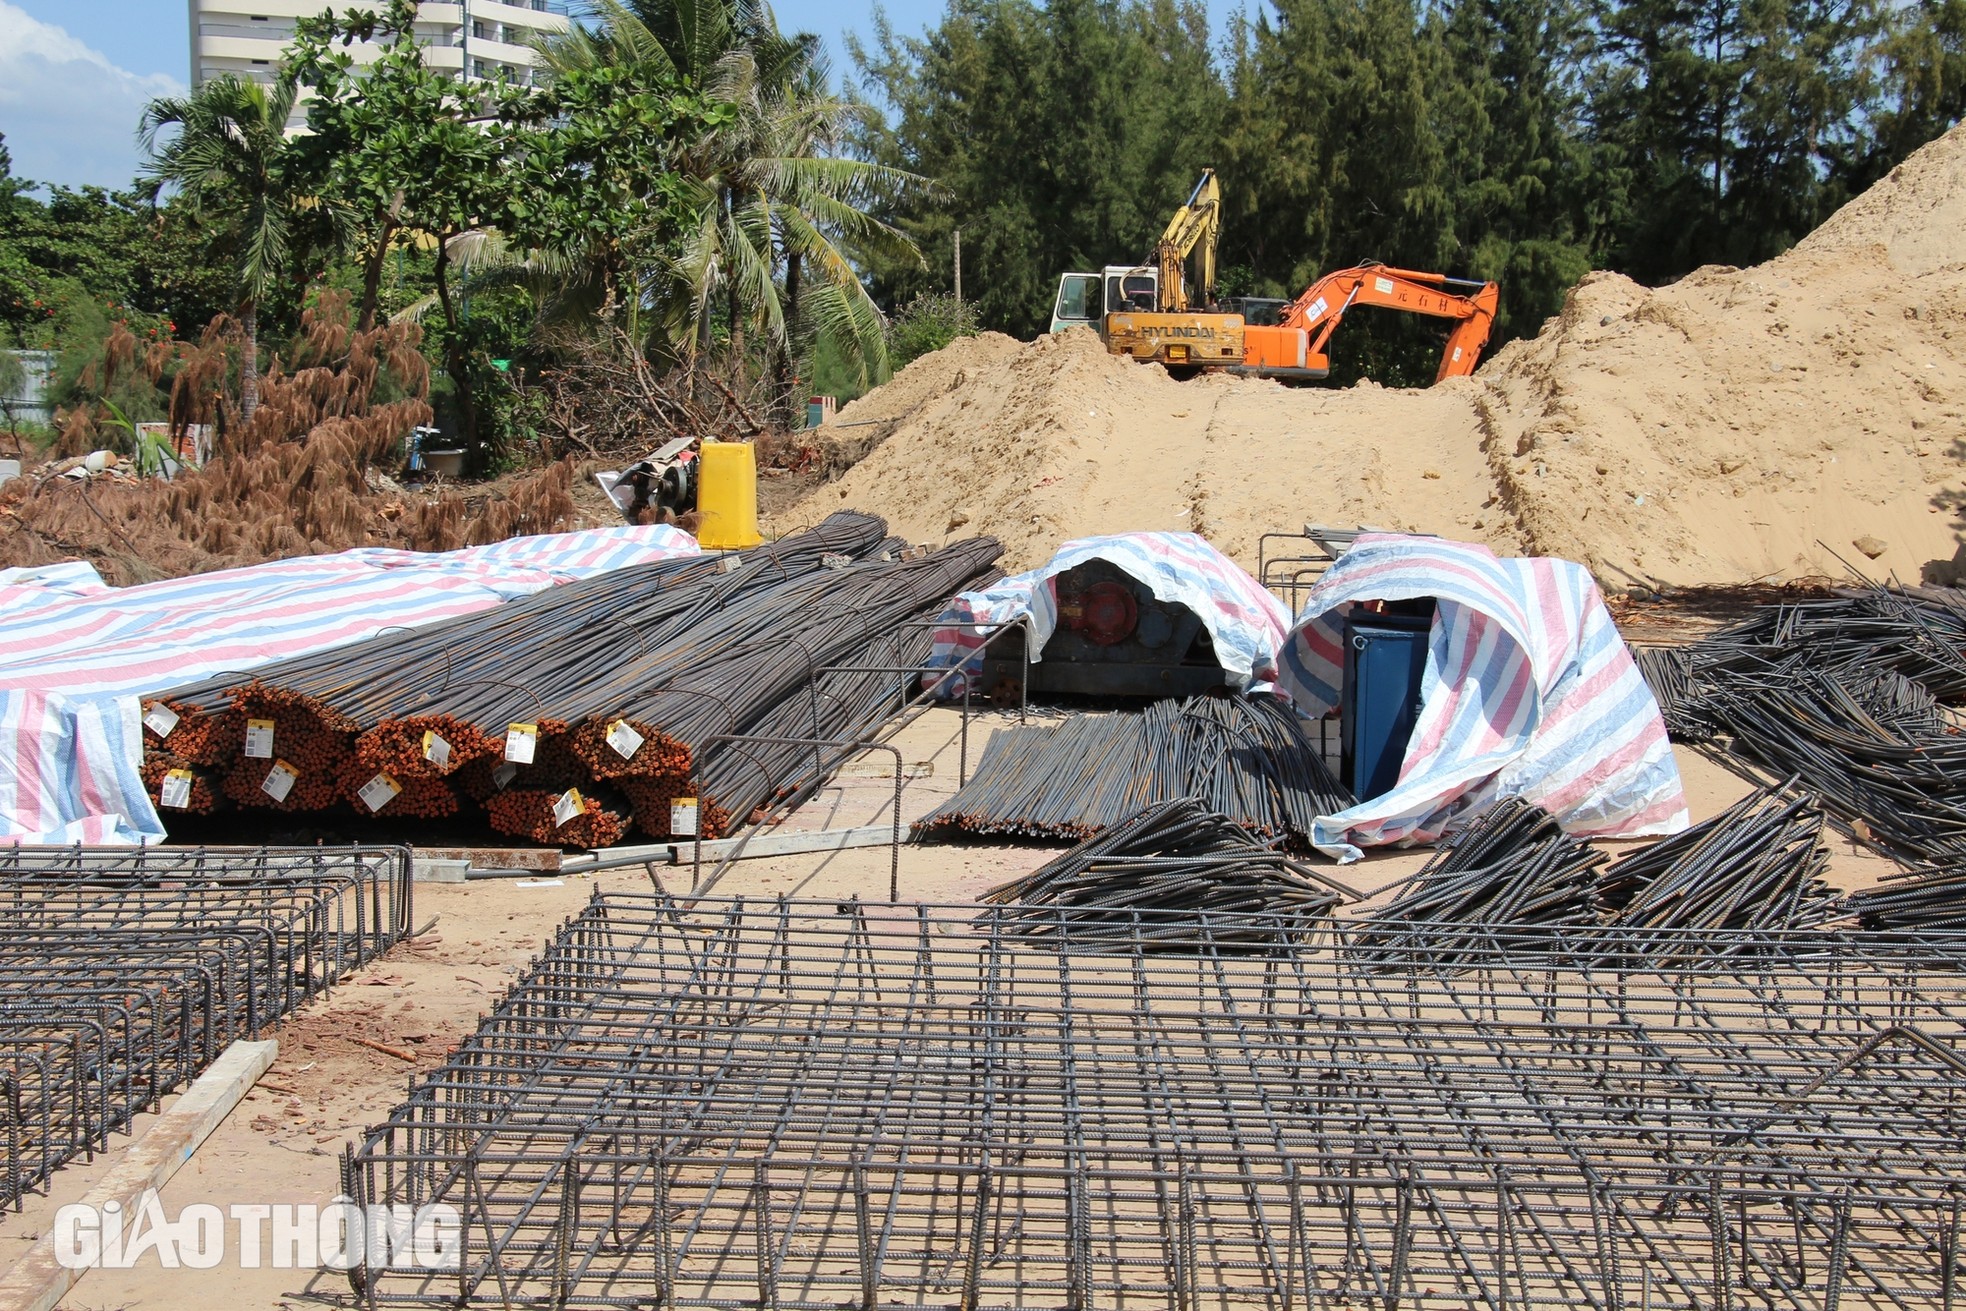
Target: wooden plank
(436, 869)
(38, 1281)
(545, 858)
(786, 844)
(878, 768)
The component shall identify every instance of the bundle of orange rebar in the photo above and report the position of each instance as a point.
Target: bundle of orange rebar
(657, 697)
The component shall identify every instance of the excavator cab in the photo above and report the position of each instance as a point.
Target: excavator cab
(1144, 311)
(1085, 299)
(1081, 303)
(1256, 311)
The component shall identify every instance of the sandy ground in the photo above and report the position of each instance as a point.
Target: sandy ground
(283, 1144)
(1796, 419)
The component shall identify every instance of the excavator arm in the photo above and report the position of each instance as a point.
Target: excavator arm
(1298, 345)
(1197, 223)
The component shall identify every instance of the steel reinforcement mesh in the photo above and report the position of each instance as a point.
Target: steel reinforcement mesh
(818, 1105)
(125, 972)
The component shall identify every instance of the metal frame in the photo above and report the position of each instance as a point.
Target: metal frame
(820, 1105)
(125, 971)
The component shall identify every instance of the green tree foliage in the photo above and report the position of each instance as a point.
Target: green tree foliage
(777, 214)
(928, 323)
(1524, 141)
(1061, 137)
(1737, 123)
(406, 152)
(110, 247)
(1924, 57)
(224, 149)
(578, 182)
(1517, 172)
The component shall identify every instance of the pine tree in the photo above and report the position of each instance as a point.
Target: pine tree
(1061, 137)
(1923, 85)
(1731, 119)
(1518, 171)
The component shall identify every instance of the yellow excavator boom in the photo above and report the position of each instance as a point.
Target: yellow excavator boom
(1197, 223)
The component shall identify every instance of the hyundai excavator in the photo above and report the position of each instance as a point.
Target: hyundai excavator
(1143, 310)
(1296, 348)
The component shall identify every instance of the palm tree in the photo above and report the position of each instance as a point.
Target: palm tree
(777, 214)
(230, 154)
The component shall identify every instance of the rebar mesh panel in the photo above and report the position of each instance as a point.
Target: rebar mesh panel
(124, 972)
(804, 1105)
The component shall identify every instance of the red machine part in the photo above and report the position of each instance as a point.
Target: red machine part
(1106, 614)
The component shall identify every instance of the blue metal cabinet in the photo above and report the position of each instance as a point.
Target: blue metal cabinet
(1385, 657)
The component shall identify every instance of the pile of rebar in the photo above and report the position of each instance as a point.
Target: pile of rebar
(1513, 868)
(1845, 697)
(1756, 865)
(1913, 900)
(124, 973)
(1247, 758)
(569, 716)
(1174, 857)
(811, 1105)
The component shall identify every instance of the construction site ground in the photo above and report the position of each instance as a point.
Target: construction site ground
(284, 1142)
(1800, 418)
(1782, 424)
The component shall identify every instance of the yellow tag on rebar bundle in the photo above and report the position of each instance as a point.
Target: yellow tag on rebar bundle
(567, 805)
(259, 739)
(279, 780)
(682, 817)
(176, 792)
(624, 739)
(521, 740)
(435, 749)
(379, 792)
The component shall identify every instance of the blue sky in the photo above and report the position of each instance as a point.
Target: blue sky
(75, 74)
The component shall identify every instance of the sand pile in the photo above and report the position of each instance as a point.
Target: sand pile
(1036, 443)
(1713, 431)
(913, 401)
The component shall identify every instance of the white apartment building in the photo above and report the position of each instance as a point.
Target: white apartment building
(474, 38)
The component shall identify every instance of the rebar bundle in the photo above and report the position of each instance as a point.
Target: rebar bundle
(1913, 901)
(1919, 632)
(1247, 758)
(568, 716)
(124, 973)
(1842, 696)
(1173, 857)
(1513, 868)
(812, 1106)
(1668, 671)
(1756, 865)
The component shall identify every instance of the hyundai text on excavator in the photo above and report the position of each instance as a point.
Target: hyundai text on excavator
(1143, 310)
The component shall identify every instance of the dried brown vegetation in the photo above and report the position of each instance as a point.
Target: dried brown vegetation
(297, 479)
(607, 400)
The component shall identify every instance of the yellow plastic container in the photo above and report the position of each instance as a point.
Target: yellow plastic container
(727, 497)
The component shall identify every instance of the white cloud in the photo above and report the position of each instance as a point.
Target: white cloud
(69, 114)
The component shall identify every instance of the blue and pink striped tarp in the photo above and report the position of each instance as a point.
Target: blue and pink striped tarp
(1243, 620)
(1529, 691)
(74, 659)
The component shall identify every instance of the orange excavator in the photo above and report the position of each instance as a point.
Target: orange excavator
(1294, 348)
